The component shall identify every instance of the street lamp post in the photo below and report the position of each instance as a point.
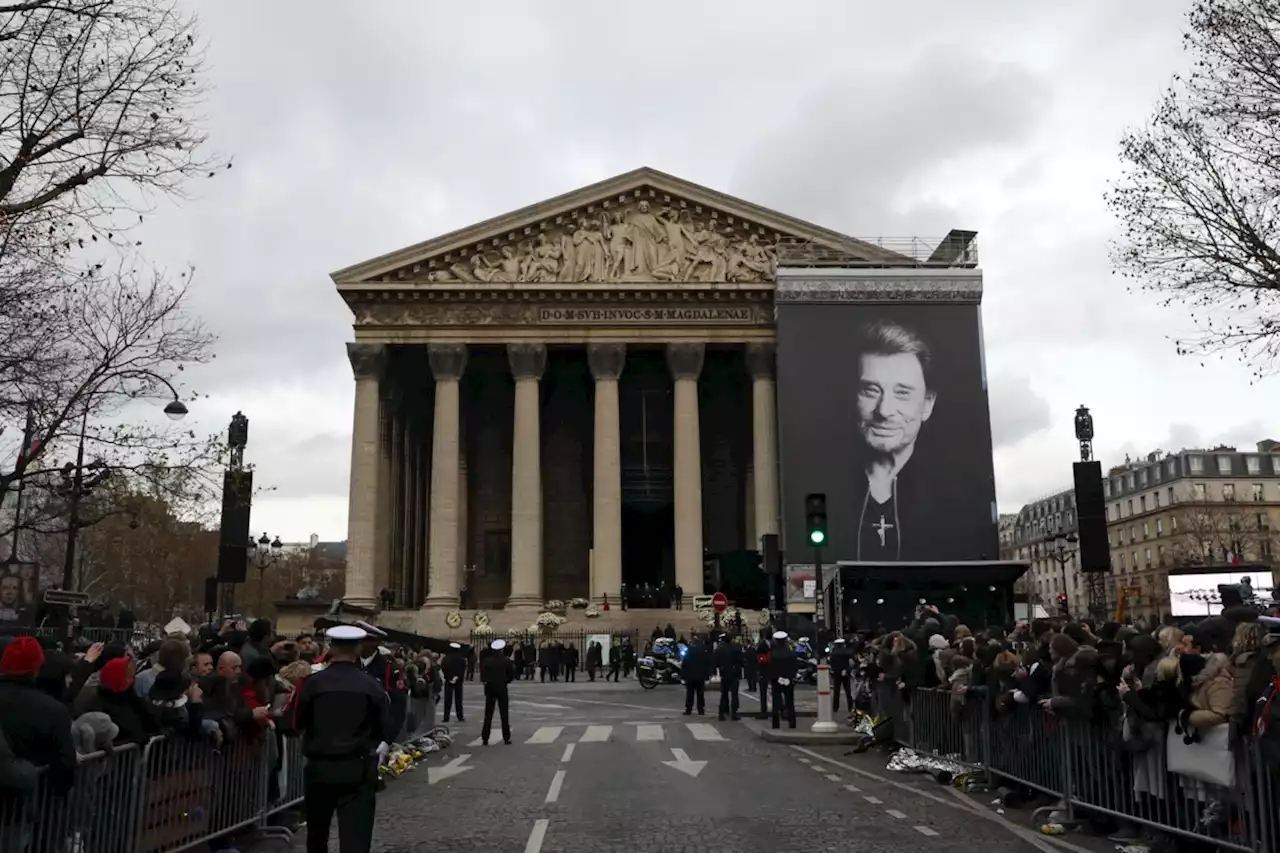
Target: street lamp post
(78, 480)
(264, 556)
(1062, 547)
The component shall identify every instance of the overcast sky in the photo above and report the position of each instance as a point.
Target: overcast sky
(361, 128)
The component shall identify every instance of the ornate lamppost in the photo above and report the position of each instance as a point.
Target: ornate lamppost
(1061, 547)
(78, 479)
(264, 556)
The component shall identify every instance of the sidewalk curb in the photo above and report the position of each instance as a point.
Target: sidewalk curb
(803, 736)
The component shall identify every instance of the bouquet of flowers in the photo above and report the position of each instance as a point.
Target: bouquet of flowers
(554, 604)
(549, 621)
(579, 604)
(484, 629)
(591, 612)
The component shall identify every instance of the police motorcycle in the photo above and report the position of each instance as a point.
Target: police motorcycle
(807, 662)
(662, 664)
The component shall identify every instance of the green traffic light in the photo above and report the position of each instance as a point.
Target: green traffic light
(817, 537)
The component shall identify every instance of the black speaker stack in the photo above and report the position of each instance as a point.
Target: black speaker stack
(1091, 513)
(233, 540)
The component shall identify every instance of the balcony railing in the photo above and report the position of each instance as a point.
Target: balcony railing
(957, 249)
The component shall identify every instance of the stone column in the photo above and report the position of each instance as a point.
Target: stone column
(421, 499)
(527, 363)
(368, 362)
(685, 363)
(606, 362)
(749, 514)
(386, 486)
(464, 519)
(395, 562)
(764, 438)
(409, 512)
(448, 361)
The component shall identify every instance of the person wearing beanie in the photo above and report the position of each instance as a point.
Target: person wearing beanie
(37, 726)
(115, 697)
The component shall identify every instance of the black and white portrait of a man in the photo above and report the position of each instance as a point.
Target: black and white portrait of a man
(895, 399)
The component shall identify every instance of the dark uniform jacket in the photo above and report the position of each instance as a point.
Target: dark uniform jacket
(697, 663)
(728, 662)
(342, 713)
(782, 663)
(496, 672)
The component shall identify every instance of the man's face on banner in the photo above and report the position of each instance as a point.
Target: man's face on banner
(9, 589)
(893, 401)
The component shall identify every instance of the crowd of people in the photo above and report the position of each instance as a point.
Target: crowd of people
(1192, 704)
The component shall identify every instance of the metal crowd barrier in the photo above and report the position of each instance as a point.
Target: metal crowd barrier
(168, 795)
(1092, 768)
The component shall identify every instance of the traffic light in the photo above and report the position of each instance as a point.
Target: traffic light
(1063, 606)
(815, 517)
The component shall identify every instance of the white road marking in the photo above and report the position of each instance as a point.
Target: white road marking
(540, 705)
(553, 793)
(703, 731)
(546, 734)
(647, 732)
(833, 777)
(895, 813)
(568, 753)
(476, 742)
(818, 768)
(853, 789)
(683, 764)
(875, 801)
(595, 734)
(923, 830)
(534, 844)
(806, 760)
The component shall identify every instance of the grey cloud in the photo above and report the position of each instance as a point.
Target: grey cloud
(847, 150)
(1017, 410)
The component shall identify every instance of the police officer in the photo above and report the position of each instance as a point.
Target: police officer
(344, 717)
(496, 672)
(782, 678)
(841, 661)
(455, 669)
(728, 662)
(762, 670)
(379, 664)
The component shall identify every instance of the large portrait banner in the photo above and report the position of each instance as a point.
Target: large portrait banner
(883, 408)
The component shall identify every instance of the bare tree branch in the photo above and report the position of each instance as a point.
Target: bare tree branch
(1199, 198)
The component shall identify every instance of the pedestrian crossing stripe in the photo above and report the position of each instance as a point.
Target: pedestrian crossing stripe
(544, 735)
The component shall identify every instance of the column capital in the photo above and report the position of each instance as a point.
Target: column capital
(685, 360)
(606, 360)
(448, 361)
(527, 360)
(368, 361)
(760, 360)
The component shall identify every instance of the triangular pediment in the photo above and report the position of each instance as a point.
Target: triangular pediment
(642, 226)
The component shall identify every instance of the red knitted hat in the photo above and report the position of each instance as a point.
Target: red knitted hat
(23, 657)
(117, 675)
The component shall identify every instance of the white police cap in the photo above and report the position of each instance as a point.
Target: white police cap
(346, 633)
(498, 645)
(455, 645)
(838, 640)
(371, 630)
(779, 635)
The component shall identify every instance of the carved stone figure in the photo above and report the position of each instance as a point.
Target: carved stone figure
(645, 233)
(636, 243)
(591, 257)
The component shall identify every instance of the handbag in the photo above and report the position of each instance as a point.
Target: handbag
(1208, 760)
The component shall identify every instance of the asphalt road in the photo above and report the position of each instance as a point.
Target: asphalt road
(597, 768)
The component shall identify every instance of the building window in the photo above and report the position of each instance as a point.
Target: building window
(1224, 464)
(1115, 484)
(1146, 556)
(1142, 503)
(1172, 465)
(1197, 491)
(1155, 472)
(1171, 497)
(1263, 521)
(1146, 530)
(1159, 526)
(1135, 561)
(1129, 506)
(1106, 488)
(1070, 519)
(1228, 491)
(1197, 464)
(1133, 534)
(1173, 524)
(1275, 464)
(1253, 464)
(1258, 494)
(1128, 480)
(1122, 563)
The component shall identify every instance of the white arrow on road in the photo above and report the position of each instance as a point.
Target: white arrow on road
(684, 765)
(540, 705)
(448, 771)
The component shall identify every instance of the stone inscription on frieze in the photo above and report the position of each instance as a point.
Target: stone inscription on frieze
(709, 315)
(637, 243)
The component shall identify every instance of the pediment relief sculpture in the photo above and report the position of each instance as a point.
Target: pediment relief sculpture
(641, 242)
